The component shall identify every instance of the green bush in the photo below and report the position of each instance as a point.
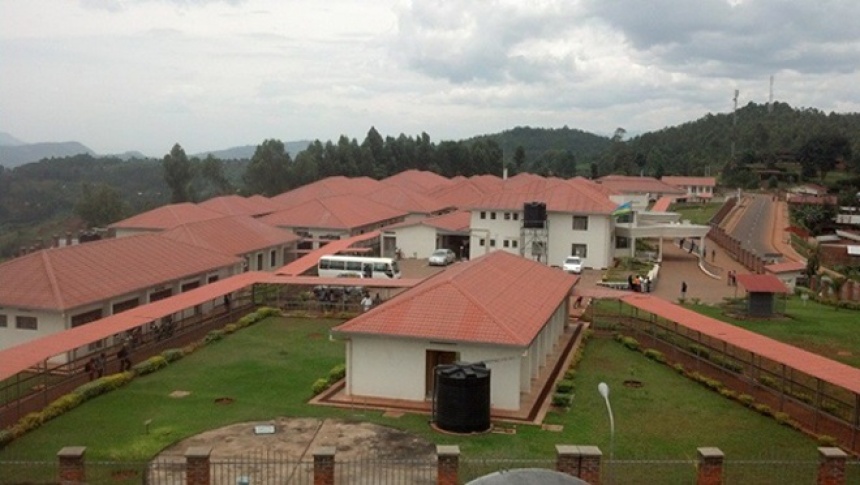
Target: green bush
(337, 373)
(92, 389)
(826, 440)
(726, 392)
(562, 399)
(230, 328)
(746, 399)
(570, 374)
(6, 437)
(768, 381)
(564, 386)
(763, 409)
(30, 422)
(150, 365)
(214, 336)
(781, 418)
(654, 354)
(630, 342)
(320, 385)
(265, 312)
(172, 355)
(679, 368)
(62, 405)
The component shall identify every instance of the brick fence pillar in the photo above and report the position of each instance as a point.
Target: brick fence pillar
(831, 466)
(710, 469)
(567, 459)
(324, 465)
(448, 464)
(589, 464)
(197, 465)
(72, 468)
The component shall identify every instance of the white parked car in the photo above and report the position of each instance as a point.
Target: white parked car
(441, 257)
(572, 264)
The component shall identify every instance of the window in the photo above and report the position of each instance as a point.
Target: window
(212, 278)
(26, 323)
(260, 262)
(506, 244)
(189, 286)
(580, 223)
(507, 216)
(624, 218)
(516, 216)
(492, 243)
(85, 318)
(493, 216)
(622, 242)
(481, 242)
(3, 321)
(483, 215)
(580, 250)
(514, 243)
(273, 258)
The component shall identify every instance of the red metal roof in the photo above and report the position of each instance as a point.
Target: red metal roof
(167, 217)
(21, 357)
(662, 204)
(341, 212)
(235, 205)
(68, 277)
(814, 365)
(417, 181)
(787, 267)
(407, 200)
(327, 187)
(762, 283)
(499, 298)
(308, 261)
(639, 185)
(235, 235)
(689, 181)
(570, 197)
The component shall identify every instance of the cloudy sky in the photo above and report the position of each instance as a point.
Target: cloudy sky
(142, 75)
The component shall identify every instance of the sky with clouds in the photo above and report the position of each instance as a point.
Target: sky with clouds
(120, 75)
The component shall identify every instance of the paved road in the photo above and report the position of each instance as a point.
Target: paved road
(754, 229)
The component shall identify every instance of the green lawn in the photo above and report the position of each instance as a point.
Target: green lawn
(268, 370)
(696, 213)
(818, 328)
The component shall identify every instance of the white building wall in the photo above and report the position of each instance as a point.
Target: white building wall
(495, 228)
(416, 241)
(598, 239)
(46, 324)
(403, 365)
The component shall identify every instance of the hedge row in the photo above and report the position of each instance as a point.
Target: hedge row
(719, 387)
(105, 384)
(336, 373)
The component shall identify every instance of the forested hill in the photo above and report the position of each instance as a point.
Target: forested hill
(543, 143)
(762, 135)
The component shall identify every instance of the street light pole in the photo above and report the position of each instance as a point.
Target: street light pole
(603, 389)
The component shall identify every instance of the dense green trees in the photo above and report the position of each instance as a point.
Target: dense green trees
(269, 171)
(99, 205)
(178, 174)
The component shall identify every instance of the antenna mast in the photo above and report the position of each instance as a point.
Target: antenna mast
(734, 122)
(770, 98)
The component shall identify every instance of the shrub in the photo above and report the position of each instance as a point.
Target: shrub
(337, 373)
(62, 405)
(214, 336)
(246, 321)
(320, 385)
(172, 355)
(564, 386)
(5, 437)
(630, 342)
(781, 418)
(570, 374)
(763, 409)
(768, 381)
(746, 399)
(266, 311)
(826, 440)
(92, 389)
(679, 368)
(149, 365)
(30, 422)
(655, 355)
(562, 399)
(725, 392)
(230, 328)
(192, 347)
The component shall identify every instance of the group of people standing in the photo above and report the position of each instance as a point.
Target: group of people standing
(639, 284)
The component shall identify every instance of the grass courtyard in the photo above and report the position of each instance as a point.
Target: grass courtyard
(268, 370)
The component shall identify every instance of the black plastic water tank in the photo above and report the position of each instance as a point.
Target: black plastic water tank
(462, 397)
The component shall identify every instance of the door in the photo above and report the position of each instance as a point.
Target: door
(436, 358)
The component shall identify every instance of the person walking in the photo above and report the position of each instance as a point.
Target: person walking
(683, 290)
(366, 302)
(124, 360)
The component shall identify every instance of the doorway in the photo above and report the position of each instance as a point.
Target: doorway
(436, 358)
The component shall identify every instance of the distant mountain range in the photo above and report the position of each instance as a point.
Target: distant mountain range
(14, 152)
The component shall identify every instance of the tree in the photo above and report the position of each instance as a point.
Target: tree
(268, 172)
(821, 153)
(519, 158)
(178, 174)
(99, 205)
(212, 171)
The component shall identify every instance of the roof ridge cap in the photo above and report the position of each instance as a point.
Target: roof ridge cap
(52, 279)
